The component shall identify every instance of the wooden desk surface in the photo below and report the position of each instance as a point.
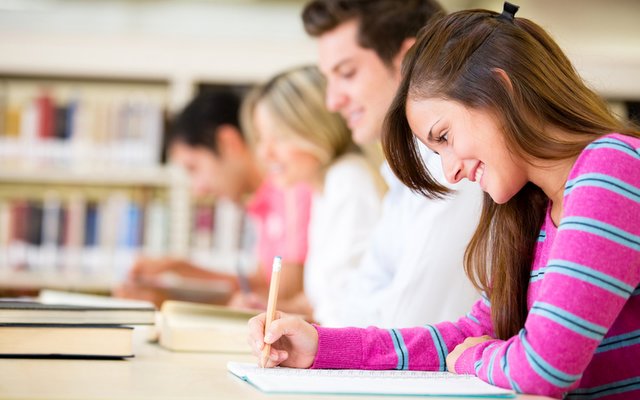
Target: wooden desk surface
(154, 373)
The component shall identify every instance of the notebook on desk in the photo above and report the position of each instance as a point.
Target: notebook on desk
(361, 382)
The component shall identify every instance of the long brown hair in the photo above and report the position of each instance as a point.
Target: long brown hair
(457, 58)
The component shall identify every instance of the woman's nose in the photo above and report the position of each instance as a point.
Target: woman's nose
(452, 167)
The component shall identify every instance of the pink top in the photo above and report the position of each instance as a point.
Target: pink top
(282, 218)
(582, 334)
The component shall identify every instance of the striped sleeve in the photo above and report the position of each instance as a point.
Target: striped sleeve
(592, 272)
(417, 348)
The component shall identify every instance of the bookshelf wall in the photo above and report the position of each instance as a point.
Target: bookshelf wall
(83, 191)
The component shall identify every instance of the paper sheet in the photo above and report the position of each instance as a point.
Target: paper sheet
(409, 383)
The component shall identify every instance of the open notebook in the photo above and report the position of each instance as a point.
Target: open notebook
(361, 382)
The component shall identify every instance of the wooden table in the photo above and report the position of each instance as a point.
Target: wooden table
(154, 373)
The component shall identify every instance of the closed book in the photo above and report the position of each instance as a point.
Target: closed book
(34, 223)
(47, 116)
(91, 225)
(61, 113)
(31, 312)
(51, 220)
(49, 340)
(19, 220)
(186, 326)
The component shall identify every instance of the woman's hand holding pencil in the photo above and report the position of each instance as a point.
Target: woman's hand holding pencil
(293, 341)
(278, 339)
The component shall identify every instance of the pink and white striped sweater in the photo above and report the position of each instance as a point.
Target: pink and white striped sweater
(581, 338)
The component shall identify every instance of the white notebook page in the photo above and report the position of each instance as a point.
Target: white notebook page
(333, 381)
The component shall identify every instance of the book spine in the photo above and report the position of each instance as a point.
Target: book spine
(46, 116)
(91, 224)
(5, 233)
(156, 227)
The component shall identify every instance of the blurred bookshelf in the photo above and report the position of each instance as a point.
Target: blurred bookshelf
(83, 190)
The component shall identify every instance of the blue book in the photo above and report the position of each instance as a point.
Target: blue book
(71, 109)
(130, 234)
(91, 225)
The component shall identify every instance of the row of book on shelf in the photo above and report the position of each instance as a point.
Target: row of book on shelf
(40, 129)
(60, 324)
(77, 233)
(101, 235)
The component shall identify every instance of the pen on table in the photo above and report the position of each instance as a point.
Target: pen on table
(271, 305)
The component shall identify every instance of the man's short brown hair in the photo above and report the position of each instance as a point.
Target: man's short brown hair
(383, 24)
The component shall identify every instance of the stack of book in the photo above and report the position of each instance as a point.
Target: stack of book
(37, 329)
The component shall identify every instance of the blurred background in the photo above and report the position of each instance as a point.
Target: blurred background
(87, 88)
(187, 43)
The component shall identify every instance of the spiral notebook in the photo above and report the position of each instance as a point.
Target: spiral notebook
(361, 382)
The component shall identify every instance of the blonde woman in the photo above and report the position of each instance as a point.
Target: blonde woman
(299, 140)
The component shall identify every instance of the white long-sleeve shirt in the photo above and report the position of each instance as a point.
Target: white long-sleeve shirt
(412, 272)
(343, 216)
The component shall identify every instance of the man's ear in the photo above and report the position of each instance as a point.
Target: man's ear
(404, 48)
(504, 77)
(229, 141)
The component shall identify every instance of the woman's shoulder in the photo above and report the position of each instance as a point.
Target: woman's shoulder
(616, 141)
(613, 154)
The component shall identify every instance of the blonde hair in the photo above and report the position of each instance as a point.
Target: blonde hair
(295, 100)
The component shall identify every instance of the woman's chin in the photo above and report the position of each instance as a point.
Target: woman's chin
(499, 198)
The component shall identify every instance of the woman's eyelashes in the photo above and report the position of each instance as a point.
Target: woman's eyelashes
(443, 137)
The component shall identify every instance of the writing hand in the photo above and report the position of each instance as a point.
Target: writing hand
(294, 342)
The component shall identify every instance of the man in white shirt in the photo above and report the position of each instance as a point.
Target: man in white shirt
(412, 272)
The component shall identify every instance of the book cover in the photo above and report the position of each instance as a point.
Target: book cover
(35, 312)
(186, 326)
(47, 340)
